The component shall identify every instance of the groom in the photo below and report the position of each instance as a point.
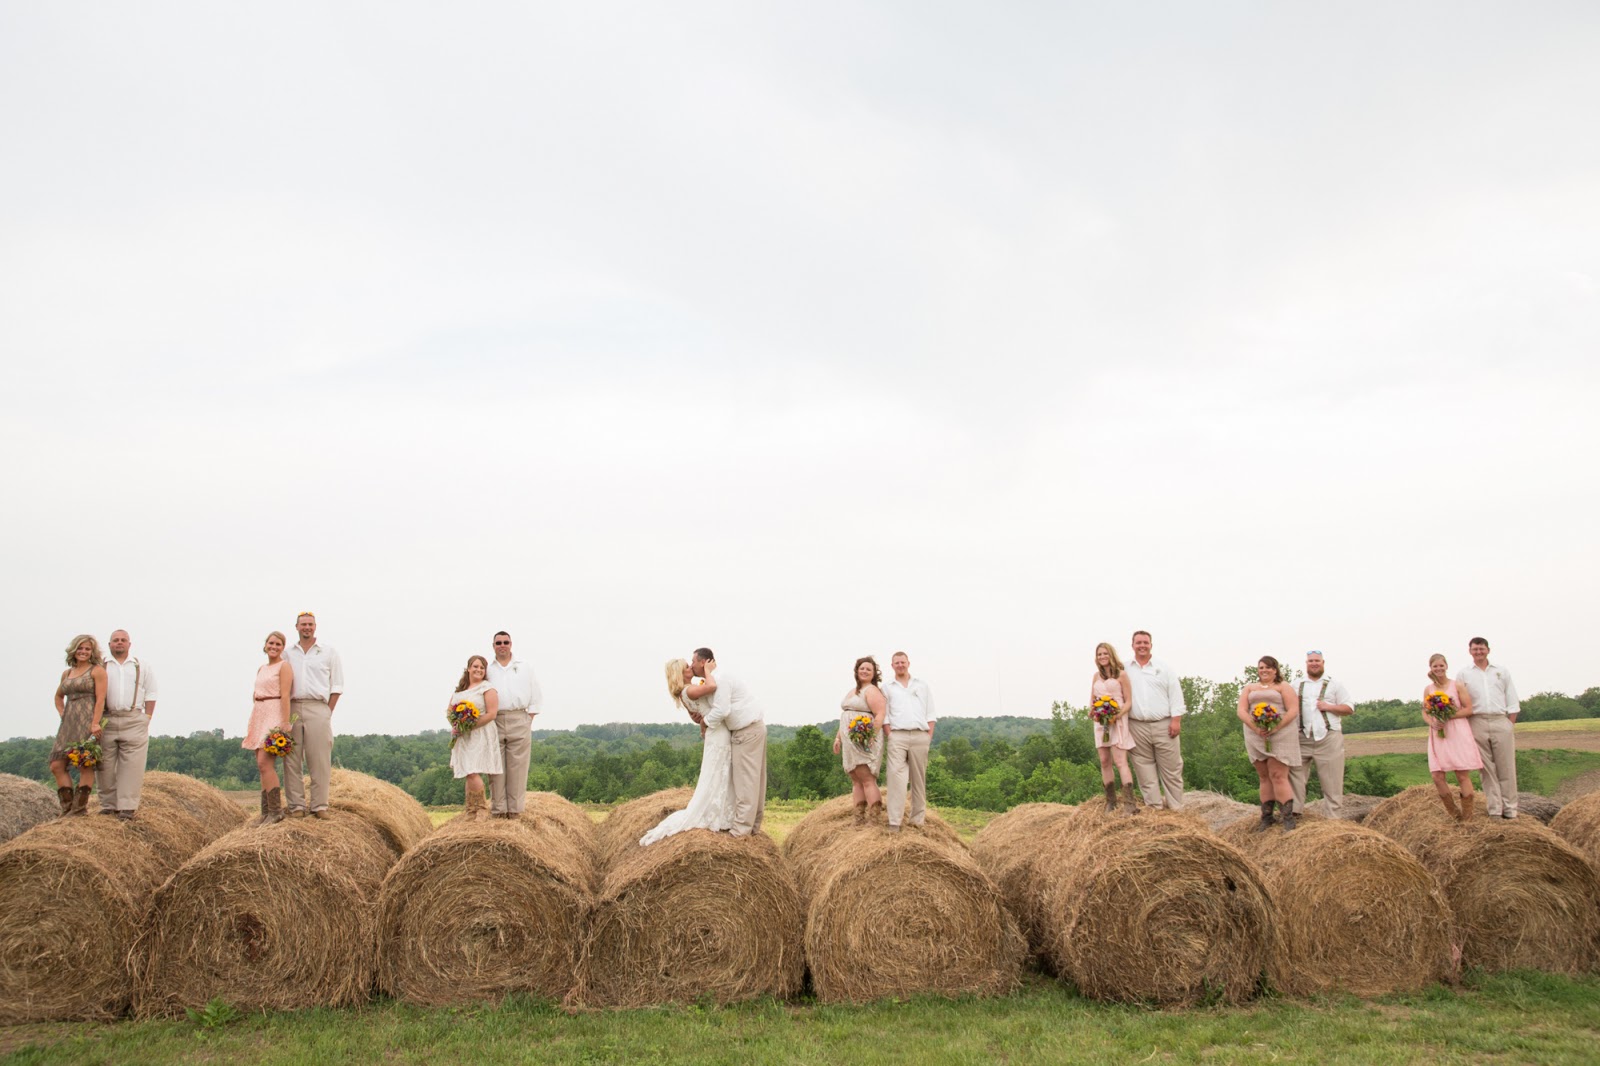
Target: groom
(732, 703)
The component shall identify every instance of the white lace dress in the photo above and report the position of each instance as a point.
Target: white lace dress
(479, 751)
(711, 807)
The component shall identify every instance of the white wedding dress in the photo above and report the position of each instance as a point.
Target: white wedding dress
(711, 807)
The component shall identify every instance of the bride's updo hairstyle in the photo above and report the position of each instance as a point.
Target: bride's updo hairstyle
(675, 683)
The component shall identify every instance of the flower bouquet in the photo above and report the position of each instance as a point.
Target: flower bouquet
(463, 719)
(85, 754)
(1103, 711)
(860, 731)
(278, 742)
(1442, 707)
(1267, 716)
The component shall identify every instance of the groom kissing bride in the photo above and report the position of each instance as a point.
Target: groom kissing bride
(731, 793)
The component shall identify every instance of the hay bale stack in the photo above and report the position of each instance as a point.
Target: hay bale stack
(1353, 808)
(273, 917)
(813, 834)
(1005, 850)
(1153, 908)
(902, 914)
(622, 828)
(1579, 825)
(552, 810)
(480, 910)
(1216, 810)
(23, 805)
(697, 915)
(390, 809)
(75, 893)
(207, 804)
(1531, 804)
(1522, 897)
(1355, 911)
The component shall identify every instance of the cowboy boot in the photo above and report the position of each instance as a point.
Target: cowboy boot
(1111, 796)
(477, 805)
(1467, 799)
(876, 811)
(861, 813)
(1449, 800)
(1266, 815)
(1129, 804)
(1288, 816)
(80, 801)
(274, 802)
(65, 796)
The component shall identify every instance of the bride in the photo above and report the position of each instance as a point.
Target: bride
(712, 804)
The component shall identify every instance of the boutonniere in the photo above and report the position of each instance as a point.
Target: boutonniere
(516, 667)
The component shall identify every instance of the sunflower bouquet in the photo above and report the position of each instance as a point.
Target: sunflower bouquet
(85, 754)
(1266, 716)
(279, 741)
(860, 731)
(463, 718)
(1442, 707)
(1104, 710)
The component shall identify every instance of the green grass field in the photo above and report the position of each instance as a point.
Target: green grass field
(1538, 770)
(1513, 1018)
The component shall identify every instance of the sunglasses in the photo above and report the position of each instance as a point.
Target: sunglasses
(498, 643)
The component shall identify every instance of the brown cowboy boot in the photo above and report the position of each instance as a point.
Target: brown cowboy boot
(1288, 815)
(1266, 815)
(1129, 804)
(1466, 806)
(876, 811)
(262, 820)
(1449, 800)
(80, 801)
(273, 798)
(1111, 796)
(65, 796)
(861, 813)
(477, 805)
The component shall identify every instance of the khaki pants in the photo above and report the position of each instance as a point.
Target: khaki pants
(908, 771)
(507, 790)
(1327, 755)
(1497, 743)
(124, 747)
(748, 777)
(1157, 761)
(313, 754)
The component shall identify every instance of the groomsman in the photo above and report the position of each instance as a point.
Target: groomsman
(1494, 711)
(909, 721)
(125, 743)
(520, 700)
(1324, 702)
(318, 683)
(1155, 721)
(732, 703)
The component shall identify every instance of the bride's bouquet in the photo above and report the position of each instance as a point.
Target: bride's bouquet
(1267, 716)
(85, 754)
(1442, 707)
(279, 742)
(861, 732)
(463, 719)
(1103, 711)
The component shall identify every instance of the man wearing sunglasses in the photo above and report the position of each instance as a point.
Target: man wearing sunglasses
(520, 700)
(1324, 702)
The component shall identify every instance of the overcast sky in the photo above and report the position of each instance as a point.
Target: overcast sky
(805, 331)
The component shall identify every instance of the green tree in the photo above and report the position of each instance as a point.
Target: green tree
(810, 758)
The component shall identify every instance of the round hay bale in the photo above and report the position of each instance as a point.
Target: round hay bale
(272, 917)
(207, 804)
(23, 805)
(558, 812)
(1522, 897)
(1531, 804)
(390, 809)
(1151, 909)
(1355, 912)
(817, 831)
(1005, 850)
(480, 910)
(1217, 810)
(1353, 808)
(940, 929)
(1579, 825)
(622, 828)
(697, 915)
(76, 892)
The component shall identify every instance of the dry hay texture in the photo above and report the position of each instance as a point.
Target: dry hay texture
(1579, 825)
(550, 810)
(207, 804)
(75, 893)
(941, 929)
(483, 909)
(1354, 807)
(273, 917)
(699, 915)
(1531, 804)
(1522, 897)
(1006, 849)
(23, 805)
(1216, 810)
(622, 828)
(389, 809)
(1152, 908)
(1355, 912)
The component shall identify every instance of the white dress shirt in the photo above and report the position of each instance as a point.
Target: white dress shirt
(732, 704)
(120, 694)
(1311, 720)
(519, 689)
(318, 673)
(1491, 688)
(1157, 695)
(910, 706)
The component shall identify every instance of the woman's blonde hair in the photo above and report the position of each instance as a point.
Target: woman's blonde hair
(94, 649)
(1114, 666)
(1440, 656)
(466, 675)
(675, 681)
(281, 640)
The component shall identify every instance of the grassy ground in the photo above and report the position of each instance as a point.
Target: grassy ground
(1502, 1019)
(1569, 725)
(1550, 770)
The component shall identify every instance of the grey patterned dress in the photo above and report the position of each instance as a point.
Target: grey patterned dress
(78, 692)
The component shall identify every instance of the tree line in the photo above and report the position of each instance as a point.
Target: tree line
(981, 763)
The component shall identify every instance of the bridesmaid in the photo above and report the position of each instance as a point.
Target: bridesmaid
(81, 703)
(1272, 767)
(1110, 679)
(862, 765)
(1456, 752)
(478, 752)
(274, 684)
